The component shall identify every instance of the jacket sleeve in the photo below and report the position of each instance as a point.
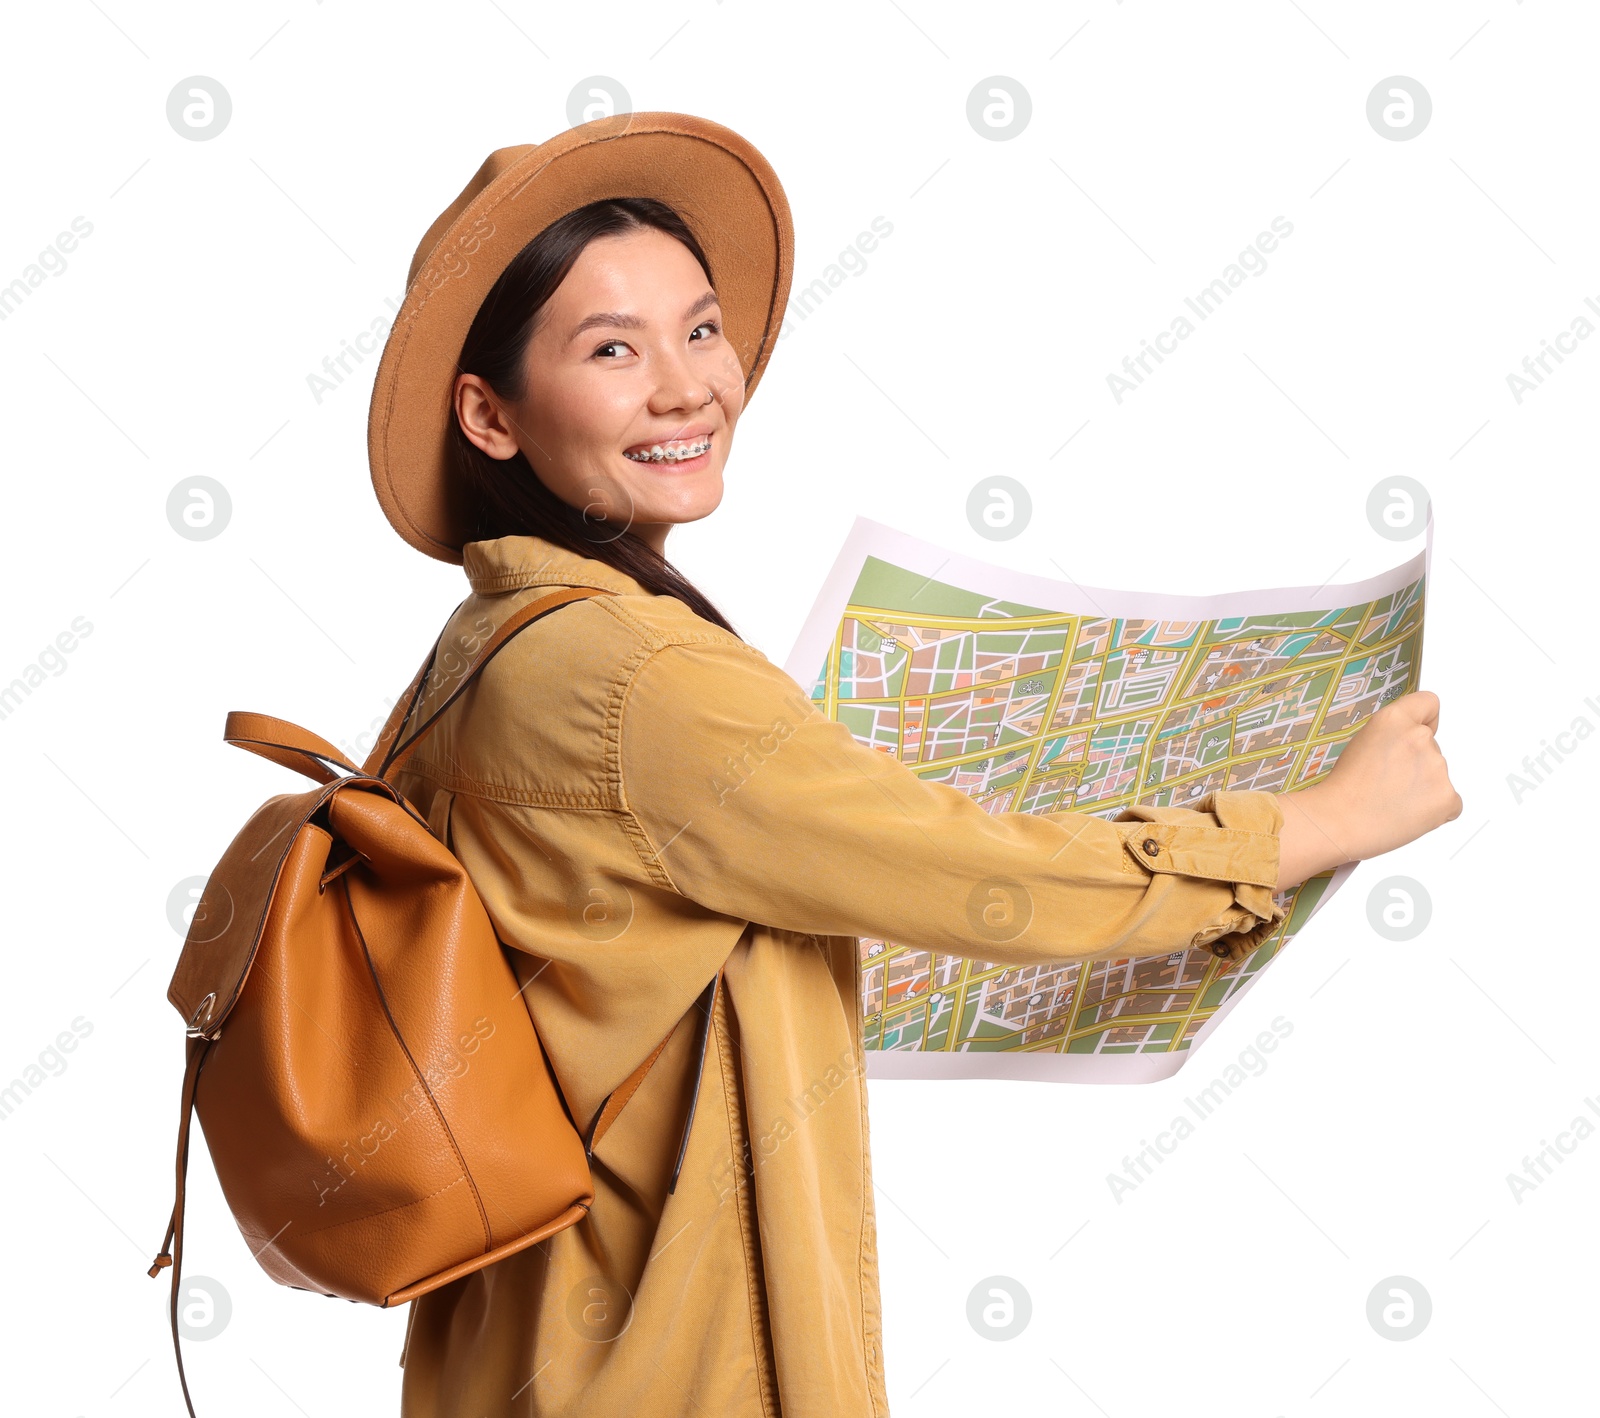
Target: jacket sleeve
(750, 801)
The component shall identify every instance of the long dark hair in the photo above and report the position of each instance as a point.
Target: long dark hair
(505, 497)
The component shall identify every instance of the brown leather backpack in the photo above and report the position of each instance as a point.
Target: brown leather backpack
(377, 1102)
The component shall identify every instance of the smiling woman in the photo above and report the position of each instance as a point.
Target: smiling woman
(599, 394)
(678, 851)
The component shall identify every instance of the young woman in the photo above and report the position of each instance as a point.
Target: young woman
(643, 801)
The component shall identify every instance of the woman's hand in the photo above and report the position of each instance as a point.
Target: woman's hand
(1388, 787)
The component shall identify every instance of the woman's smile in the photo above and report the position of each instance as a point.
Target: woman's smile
(674, 455)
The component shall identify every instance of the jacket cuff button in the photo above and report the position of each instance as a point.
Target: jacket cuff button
(1219, 949)
(1150, 846)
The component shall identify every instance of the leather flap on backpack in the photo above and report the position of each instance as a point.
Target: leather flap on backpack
(227, 924)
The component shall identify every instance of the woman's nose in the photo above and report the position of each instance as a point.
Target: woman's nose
(679, 384)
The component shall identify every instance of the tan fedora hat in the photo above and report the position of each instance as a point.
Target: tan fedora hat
(717, 182)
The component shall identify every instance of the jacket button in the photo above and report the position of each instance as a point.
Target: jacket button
(1219, 949)
(1151, 846)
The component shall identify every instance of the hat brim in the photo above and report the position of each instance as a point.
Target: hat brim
(718, 183)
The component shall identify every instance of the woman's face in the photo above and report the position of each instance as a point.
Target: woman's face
(624, 357)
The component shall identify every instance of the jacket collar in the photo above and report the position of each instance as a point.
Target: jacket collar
(511, 563)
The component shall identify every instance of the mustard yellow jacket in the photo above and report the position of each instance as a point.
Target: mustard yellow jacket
(641, 798)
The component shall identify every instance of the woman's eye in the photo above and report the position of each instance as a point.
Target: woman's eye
(710, 325)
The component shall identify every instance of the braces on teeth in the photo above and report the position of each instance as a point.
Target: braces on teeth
(657, 454)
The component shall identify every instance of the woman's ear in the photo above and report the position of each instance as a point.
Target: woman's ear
(482, 418)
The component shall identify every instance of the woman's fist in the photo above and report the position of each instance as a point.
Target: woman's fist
(1388, 787)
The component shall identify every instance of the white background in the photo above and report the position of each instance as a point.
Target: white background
(178, 339)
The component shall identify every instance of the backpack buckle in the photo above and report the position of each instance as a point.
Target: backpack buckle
(194, 1029)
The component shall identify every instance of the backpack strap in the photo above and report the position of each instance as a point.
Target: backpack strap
(390, 751)
(617, 1099)
(198, 1047)
(290, 746)
(287, 745)
(707, 1002)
